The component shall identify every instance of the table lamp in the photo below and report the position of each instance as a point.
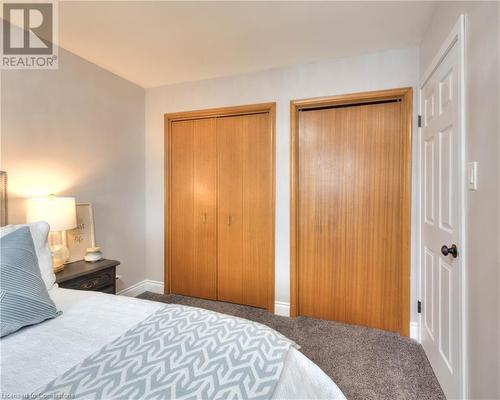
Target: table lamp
(60, 214)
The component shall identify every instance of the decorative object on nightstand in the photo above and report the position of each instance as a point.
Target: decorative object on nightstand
(99, 276)
(60, 214)
(81, 240)
(93, 254)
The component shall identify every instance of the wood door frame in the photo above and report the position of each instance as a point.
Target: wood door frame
(405, 95)
(221, 112)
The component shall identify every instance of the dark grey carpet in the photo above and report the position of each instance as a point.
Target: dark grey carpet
(365, 363)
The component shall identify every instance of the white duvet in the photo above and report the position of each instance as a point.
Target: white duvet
(33, 356)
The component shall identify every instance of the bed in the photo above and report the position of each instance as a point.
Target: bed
(37, 356)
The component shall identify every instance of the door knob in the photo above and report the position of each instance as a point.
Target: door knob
(445, 250)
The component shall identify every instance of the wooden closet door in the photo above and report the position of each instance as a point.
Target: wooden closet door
(350, 214)
(193, 208)
(245, 200)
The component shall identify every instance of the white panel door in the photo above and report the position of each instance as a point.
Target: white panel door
(441, 223)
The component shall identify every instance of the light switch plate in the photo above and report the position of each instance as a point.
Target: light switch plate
(472, 175)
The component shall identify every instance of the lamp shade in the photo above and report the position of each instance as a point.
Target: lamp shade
(58, 212)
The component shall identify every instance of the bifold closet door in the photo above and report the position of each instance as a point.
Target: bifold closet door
(350, 214)
(193, 196)
(245, 208)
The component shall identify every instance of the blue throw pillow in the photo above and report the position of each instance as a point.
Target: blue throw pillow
(24, 299)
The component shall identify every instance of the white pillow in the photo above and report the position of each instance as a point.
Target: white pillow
(39, 232)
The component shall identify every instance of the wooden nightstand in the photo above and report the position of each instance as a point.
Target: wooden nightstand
(99, 276)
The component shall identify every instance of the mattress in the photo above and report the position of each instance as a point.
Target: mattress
(34, 356)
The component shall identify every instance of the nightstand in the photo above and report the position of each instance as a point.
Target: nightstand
(98, 276)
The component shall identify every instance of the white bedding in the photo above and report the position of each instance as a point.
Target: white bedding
(35, 355)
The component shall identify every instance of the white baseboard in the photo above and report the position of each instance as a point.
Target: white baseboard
(414, 331)
(282, 308)
(147, 285)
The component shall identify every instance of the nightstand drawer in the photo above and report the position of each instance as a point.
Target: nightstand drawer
(108, 289)
(98, 276)
(94, 281)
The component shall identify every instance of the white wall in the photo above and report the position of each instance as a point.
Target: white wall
(79, 131)
(391, 69)
(482, 129)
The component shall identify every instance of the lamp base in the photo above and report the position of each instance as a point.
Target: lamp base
(57, 268)
(60, 254)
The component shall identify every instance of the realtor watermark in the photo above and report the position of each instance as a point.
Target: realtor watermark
(29, 35)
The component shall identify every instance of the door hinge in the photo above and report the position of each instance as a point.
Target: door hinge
(419, 121)
(419, 307)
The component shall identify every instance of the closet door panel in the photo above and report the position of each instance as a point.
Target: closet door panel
(205, 208)
(193, 210)
(320, 216)
(245, 209)
(350, 214)
(257, 210)
(230, 199)
(182, 204)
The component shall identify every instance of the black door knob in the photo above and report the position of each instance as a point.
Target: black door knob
(450, 250)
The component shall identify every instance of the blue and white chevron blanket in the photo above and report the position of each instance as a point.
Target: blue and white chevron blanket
(180, 352)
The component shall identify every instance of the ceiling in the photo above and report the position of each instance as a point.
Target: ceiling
(153, 43)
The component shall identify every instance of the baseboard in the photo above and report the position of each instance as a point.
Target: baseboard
(147, 285)
(414, 331)
(282, 308)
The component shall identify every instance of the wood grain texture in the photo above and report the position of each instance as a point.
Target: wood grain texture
(193, 208)
(245, 198)
(222, 112)
(268, 109)
(350, 210)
